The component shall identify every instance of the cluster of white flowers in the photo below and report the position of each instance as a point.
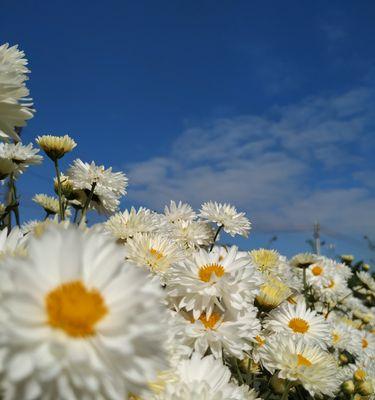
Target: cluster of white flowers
(152, 305)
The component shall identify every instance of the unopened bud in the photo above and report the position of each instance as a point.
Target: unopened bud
(366, 267)
(343, 359)
(348, 387)
(278, 385)
(365, 388)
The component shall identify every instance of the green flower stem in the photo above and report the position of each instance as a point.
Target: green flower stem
(61, 208)
(87, 203)
(216, 236)
(286, 391)
(14, 200)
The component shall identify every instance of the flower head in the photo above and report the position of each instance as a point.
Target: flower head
(71, 328)
(226, 216)
(56, 146)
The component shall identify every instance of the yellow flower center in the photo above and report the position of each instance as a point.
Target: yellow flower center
(264, 259)
(206, 272)
(317, 270)
(210, 323)
(360, 375)
(302, 361)
(298, 325)
(261, 341)
(331, 284)
(75, 309)
(335, 337)
(364, 343)
(156, 253)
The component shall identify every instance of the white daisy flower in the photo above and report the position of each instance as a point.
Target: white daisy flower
(332, 291)
(179, 212)
(367, 341)
(367, 280)
(298, 321)
(301, 362)
(126, 224)
(12, 244)
(16, 158)
(226, 216)
(49, 204)
(204, 379)
(153, 251)
(346, 338)
(108, 186)
(15, 106)
(192, 234)
(219, 331)
(81, 323)
(206, 280)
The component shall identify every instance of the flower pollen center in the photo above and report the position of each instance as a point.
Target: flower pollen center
(302, 361)
(317, 270)
(210, 323)
(156, 253)
(75, 309)
(206, 272)
(364, 343)
(298, 325)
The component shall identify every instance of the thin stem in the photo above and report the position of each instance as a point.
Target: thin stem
(61, 208)
(14, 199)
(305, 284)
(286, 391)
(87, 203)
(239, 372)
(216, 236)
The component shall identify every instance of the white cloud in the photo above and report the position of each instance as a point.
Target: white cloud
(287, 168)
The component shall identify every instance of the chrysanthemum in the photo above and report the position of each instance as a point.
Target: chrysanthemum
(15, 106)
(12, 244)
(107, 186)
(192, 234)
(226, 216)
(272, 293)
(80, 323)
(333, 290)
(345, 338)
(298, 321)
(49, 204)
(219, 331)
(153, 251)
(367, 280)
(179, 212)
(126, 224)
(205, 280)
(204, 379)
(367, 343)
(303, 260)
(15, 158)
(56, 146)
(301, 362)
(265, 260)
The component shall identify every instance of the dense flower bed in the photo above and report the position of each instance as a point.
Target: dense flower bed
(151, 305)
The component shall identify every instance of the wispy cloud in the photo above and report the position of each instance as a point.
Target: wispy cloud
(287, 168)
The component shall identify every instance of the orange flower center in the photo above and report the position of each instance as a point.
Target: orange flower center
(298, 325)
(302, 361)
(75, 309)
(206, 272)
(335, 337)
(364, 343)
(260, 341)
(317, 270)
(210, 323)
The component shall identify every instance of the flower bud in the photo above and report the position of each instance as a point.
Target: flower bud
(365, 388)
(348, 387)
(359, 375)
(278, 385)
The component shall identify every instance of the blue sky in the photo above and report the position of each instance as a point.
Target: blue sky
(268, 105)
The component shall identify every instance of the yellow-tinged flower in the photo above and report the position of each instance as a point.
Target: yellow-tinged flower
(272, 293)
(56, 146)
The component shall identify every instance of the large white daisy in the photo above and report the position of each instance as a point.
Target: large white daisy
(179, 212)
(206, 280)
(225, 215)
(301, 362)
(80, 322)
(296, 320)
